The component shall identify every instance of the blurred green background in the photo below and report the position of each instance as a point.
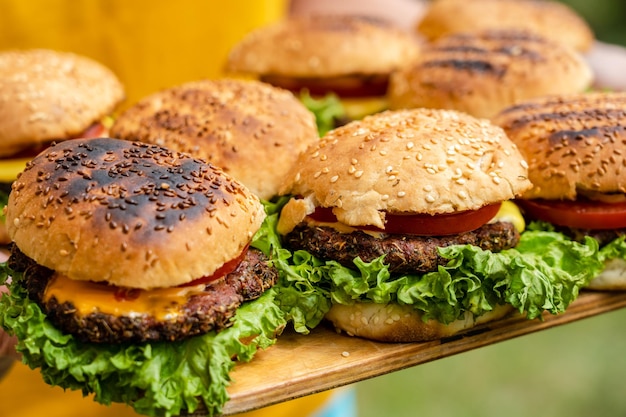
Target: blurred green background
(574, 370)
(606, 17)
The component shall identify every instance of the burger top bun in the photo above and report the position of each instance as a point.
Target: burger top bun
(574, 144)
(323, 46)
(251, 130)
(405, 161)
(49, 95)
(481, 73)
(551, 19)
(130, 214)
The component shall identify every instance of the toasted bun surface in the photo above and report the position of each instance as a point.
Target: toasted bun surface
(131, 214)
(401, 323)
(573, 144)
(323, 46)
(551, 19)
(251, 130)
(48, 95)
(406, 161)
(482, 73)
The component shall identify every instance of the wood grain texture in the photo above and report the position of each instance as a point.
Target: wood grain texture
(299, 365)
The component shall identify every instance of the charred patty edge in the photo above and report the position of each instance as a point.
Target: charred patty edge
(211, 310)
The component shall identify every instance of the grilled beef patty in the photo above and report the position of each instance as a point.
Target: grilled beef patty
(211, 310)
(404, 254)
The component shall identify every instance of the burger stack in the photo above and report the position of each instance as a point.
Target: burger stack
(219, 217)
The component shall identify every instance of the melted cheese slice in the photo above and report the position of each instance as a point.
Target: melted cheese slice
(10, 168)
(358, 108)
(508, 212)
(91, 297)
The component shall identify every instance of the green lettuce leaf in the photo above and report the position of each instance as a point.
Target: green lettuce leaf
(327, 110)
(156, 379)
(544, 273)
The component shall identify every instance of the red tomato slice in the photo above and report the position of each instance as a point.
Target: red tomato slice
(96, 130)
(225, 269)
(582, 214)
(122, 294)
(343, 86)
(424, 224)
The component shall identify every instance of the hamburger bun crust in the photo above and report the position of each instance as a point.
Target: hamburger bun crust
(48, 95)
(407, 161)
(551, 19)
(402, 323)
(612, 278)
(251, 130)
(130, 214)
(323, 46)
(481, 73)
(572, 143)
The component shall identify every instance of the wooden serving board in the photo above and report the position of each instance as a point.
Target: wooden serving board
(299, 365)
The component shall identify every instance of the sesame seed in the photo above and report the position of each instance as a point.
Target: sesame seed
(430, 198)
(358, 174)
(463, 194)
(431, 170)
(345, 354)
(524, 164)
(461, 181)
(409, 145)
(334, 178)
(496, 180)
(428, 188)
(401, 194)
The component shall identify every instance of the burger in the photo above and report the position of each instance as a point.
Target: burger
(327, 55)
(483, 72)
(551, 19)
(136, 274)
(251, 130)
(46, 96)
(403, 223)
(574, 148)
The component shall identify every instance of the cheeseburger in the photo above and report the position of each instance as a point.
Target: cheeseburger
(574, 146)
(127, 257)
(481, 73)
(47, 96)
(551, 19)
(405, 216)
(251, 130)
(327, 54)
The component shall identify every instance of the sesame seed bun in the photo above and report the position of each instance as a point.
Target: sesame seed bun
(481, 73)
(573, 143)
(48, 95)
(252, 130)
(402, 323)
(551, 19)
(406, 161)
(131, 214)
(323, 46)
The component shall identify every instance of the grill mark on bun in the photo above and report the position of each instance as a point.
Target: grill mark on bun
(569, 136)
(159, 187)
(573, 143)
(472, 65)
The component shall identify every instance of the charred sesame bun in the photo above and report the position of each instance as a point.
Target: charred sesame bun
(50, 95)
(130, 214)
(407, 161)
(323, 46)
(574, 146)
(482, 73)
(251, 130)
(551, 19)
(572, 143)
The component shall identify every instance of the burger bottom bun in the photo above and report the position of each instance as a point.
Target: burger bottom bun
(613, 277)
(401, 323)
